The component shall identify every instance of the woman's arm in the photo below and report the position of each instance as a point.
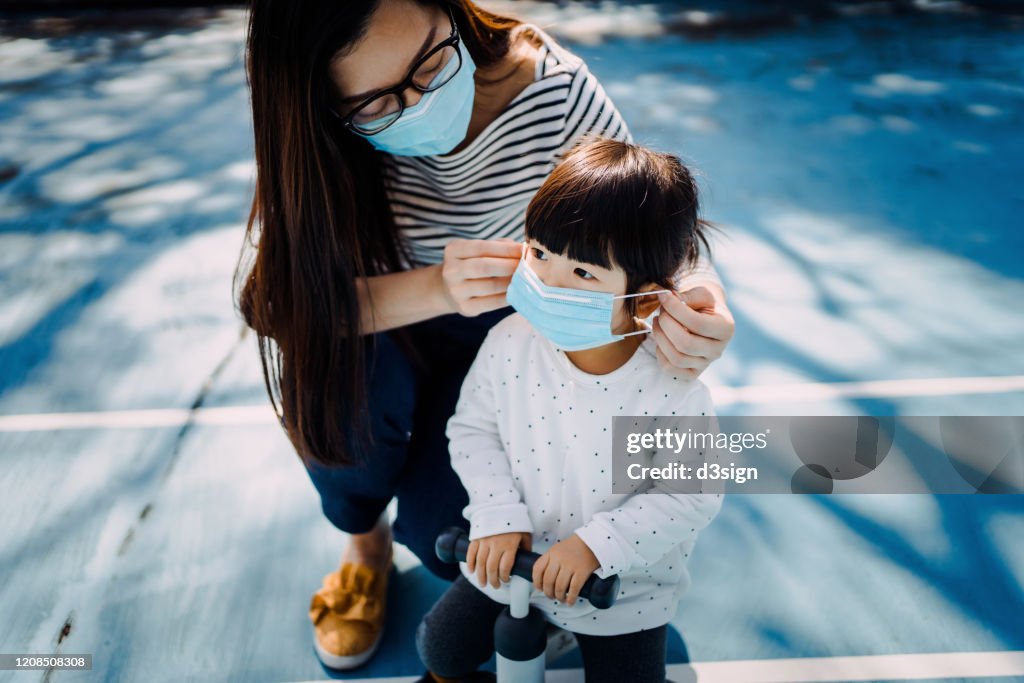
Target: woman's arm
(471, 280)
(400, 299)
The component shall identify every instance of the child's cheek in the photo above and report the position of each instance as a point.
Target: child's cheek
(621, 320)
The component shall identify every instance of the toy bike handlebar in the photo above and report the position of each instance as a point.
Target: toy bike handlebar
(453, 543)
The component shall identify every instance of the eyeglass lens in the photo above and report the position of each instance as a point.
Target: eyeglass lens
(433, 73)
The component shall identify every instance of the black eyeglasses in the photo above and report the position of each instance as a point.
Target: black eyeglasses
(429, 73)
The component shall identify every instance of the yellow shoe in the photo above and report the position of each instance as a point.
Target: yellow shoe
(348, 615)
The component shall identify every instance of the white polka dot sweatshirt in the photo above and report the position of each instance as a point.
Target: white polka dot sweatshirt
(531, 441)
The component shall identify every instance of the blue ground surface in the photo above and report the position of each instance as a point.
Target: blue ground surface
(867, 175)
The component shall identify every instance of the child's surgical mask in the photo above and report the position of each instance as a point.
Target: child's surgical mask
(572, 319)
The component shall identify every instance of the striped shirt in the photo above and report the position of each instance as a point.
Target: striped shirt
(482, 191)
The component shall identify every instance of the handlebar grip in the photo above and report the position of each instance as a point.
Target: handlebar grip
(453, 543)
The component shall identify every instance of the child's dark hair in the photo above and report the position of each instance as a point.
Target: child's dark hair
(609, 202)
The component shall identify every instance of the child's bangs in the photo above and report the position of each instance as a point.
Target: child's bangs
(573, 236)
(587, 219)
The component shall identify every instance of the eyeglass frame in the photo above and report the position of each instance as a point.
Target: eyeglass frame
(452, 40)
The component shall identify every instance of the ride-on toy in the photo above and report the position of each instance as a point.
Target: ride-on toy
(520, 632)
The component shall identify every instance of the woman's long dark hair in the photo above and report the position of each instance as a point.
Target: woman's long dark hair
(320, 217)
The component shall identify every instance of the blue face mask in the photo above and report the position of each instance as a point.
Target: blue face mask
(572, 319)
(439, 121)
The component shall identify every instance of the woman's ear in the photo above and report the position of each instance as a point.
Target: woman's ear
(647, 304)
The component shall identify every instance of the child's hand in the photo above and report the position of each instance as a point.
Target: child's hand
(562, 570)
(492, 557)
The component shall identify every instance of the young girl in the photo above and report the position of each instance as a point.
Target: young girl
(607, 234)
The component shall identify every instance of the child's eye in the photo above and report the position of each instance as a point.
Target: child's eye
(539, 254)
(583, 274)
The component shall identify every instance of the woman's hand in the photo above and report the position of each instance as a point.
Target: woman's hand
(492, 557)
(476, 273)
(562, 570)
(693, 329)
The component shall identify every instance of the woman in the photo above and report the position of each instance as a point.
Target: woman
(397, 145)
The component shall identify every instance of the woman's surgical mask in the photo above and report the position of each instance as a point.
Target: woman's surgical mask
(439, 121)
(572, 319)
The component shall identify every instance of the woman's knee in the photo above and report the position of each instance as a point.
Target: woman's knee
(354, 496)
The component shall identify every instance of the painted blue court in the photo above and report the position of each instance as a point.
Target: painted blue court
(866, 172)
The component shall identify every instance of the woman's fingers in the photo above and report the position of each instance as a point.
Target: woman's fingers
(700, 313)
(485, 267)
(673, 357)
(683, 340)
(468, 289)
(464, 249)
(703, 322)
(698, 298)
(483, 304)
(478, 269)
(690, 372)
(689, 338)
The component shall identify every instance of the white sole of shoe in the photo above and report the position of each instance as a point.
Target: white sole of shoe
(346, 662)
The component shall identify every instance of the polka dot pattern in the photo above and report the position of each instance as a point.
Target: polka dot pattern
(531, 441)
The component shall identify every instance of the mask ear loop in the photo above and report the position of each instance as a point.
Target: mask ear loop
(651, 293)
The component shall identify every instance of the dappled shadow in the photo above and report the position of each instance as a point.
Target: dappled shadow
(139, 139)
(868, 187)
(593, 23)
(976, 577)
(868, 234)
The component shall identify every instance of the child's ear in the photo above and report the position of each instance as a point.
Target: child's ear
(647, 304)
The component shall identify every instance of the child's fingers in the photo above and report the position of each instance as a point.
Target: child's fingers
(562, 583)
(505, 566)
(471, 555)
(493, 560)
(575, 586)
(481, 564)
(538, 571)
(550, 576)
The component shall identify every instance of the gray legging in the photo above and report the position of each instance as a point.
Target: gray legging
(457, 636)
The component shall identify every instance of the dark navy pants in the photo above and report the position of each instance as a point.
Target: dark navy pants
(457, 635)
(409, 407)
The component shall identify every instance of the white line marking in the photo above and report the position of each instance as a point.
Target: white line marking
(940, 666)
(256, 415)
(888, 388)
(139, 419)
